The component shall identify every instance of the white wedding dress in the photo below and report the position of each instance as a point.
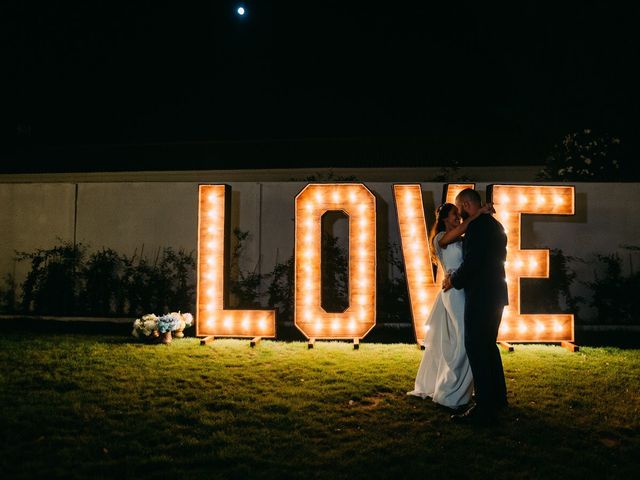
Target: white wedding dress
(444, 374)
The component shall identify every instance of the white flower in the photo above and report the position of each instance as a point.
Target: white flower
(569, 169)
(188, 319)
(149, 326)
(137, 325)
(587, 161)
(587, 131)
(615, 140)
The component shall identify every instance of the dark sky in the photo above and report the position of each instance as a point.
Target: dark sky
(495, 84)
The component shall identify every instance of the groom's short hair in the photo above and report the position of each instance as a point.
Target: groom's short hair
(469, 195)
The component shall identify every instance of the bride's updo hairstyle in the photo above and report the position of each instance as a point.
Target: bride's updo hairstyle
(442, 212)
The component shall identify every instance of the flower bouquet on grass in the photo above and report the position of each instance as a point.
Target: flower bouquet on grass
(154, 327)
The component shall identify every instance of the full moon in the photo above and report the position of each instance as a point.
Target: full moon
(241, 11)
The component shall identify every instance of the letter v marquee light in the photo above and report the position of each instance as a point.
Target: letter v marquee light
(359, 204)
(212, 319)
(416, 251)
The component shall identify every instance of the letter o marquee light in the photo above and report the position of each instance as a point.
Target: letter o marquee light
(359, 204)
(211, 316)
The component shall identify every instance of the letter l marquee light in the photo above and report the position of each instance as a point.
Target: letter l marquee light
(212, 319)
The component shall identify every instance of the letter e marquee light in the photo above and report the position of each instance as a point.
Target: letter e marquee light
(359, 204)
(212, 319)
(510, 202)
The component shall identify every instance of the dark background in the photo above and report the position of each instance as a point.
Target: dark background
(96, 85)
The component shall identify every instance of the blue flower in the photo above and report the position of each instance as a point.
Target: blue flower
(167, 323)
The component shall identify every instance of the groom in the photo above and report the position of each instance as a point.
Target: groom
(482, 276)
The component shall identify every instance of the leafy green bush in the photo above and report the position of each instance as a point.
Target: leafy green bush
(244, 286)
(65, 280)
(615, 296)
(553, 294)
(392, 299)
(585, 156)
(53, 285)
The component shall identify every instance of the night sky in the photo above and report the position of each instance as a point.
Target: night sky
(144, 85)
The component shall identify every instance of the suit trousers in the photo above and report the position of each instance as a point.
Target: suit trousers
(481, 324)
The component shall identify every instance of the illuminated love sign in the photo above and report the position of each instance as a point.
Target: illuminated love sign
(359, 204)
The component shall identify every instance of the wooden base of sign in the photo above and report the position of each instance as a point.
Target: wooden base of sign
(507, 346)
(255, 341)
(207, 340)
(356, 344)
(311, 343)
(421, 344)
(572, 347)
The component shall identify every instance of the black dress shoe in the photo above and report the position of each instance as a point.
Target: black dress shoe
(475, 414)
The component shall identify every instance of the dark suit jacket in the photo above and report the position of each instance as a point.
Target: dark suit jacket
(481, 273)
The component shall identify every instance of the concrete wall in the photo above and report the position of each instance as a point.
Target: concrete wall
(33, 216)
(132, 216)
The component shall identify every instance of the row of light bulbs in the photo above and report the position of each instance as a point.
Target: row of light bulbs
(522, 200)
(230, 321)
(524, 327)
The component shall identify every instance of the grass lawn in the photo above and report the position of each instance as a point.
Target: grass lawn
(104, 406)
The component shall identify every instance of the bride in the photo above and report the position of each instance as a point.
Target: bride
(444, 374)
